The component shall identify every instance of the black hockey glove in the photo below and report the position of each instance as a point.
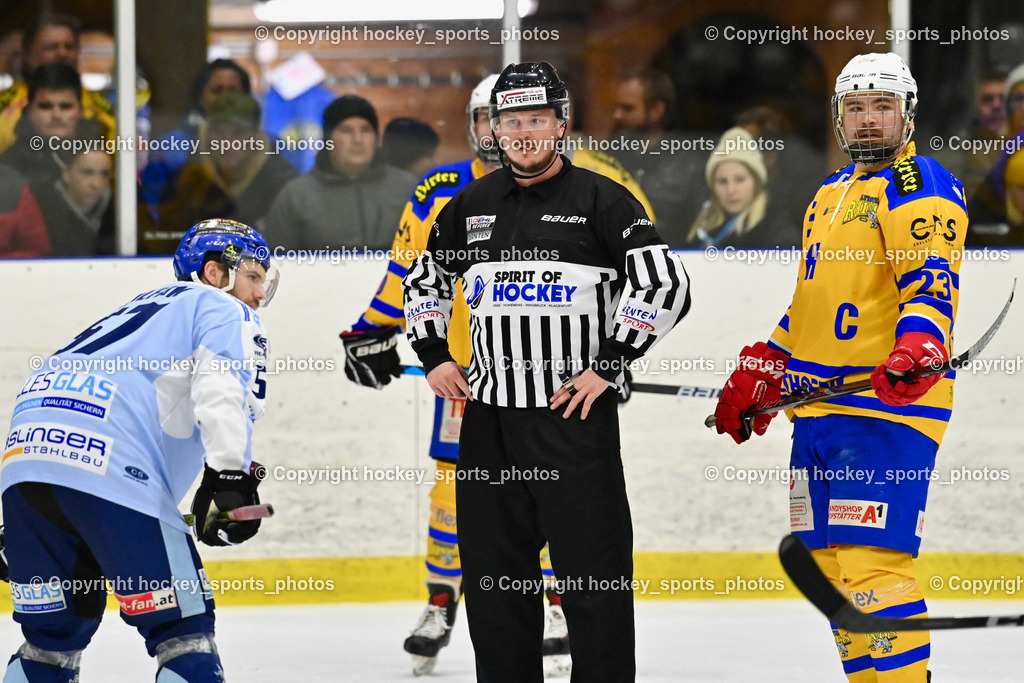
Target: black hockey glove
(371, 358)
(221, 491)
(627, 387)
(5, 574)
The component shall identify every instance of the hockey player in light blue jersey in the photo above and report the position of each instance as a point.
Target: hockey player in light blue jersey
(105, 441)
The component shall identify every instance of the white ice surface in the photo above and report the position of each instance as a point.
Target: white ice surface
(709, 641)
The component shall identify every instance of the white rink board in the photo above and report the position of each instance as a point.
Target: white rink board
(318, 419)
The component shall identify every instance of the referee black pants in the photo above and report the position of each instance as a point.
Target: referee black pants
(526, 476)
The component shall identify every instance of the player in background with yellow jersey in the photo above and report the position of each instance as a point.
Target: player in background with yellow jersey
(371, 359)
(876, 296)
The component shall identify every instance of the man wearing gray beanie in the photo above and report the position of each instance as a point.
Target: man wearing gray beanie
(351, 199)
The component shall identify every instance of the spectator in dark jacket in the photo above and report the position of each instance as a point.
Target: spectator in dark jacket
(237, 179)
(76, 206)
(351, 199)
(53, 115)
(160, 176)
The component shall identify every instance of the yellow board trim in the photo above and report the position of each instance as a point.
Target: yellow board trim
(686, 576)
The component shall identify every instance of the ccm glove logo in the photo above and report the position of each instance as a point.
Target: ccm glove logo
(774, 369)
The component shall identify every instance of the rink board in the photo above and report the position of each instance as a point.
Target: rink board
(702, 507)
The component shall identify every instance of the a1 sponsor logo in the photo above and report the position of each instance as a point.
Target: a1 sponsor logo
(863, 513)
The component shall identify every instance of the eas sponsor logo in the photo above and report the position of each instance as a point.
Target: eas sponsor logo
(520, 97)
(861, 513)
(58, 443)
(637, 317)
(142, 603)
(41, 597)
(550, 218)
(479, 228)
(78, 392)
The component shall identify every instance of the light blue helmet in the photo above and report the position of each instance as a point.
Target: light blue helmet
(227, 242)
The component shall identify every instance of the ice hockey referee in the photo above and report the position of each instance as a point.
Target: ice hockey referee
(546, 250)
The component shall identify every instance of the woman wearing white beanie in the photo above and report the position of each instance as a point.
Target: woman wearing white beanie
(736, 175)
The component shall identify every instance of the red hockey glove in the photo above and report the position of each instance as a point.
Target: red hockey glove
(757, 381)
(915, 352)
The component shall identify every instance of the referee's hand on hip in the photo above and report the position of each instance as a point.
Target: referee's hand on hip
(449, 380)
(583, 389)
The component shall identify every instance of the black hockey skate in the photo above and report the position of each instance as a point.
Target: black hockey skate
(434, 629)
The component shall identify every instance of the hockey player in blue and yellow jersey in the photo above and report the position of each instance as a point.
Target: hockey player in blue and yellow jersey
(876, 296)
(372, 360)
(106, 439)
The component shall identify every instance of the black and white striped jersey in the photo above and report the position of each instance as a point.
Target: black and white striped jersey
(544, 268)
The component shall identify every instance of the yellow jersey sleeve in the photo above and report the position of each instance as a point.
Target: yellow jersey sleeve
(881, 257)
(432, 193)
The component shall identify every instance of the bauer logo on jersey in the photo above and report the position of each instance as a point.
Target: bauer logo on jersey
(863, 513)
(77, 392)
(38, 597)
(478, 228)
(141, 603)
(60, 444)
(520, 97)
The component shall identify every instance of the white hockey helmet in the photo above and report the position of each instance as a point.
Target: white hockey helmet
(480, 99)
(880, 73)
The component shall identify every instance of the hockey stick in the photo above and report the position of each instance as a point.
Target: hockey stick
(807, 576)
(838, 387)
(243, 514)
(638, 387)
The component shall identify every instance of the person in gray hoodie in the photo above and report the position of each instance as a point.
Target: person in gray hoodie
(351, 199)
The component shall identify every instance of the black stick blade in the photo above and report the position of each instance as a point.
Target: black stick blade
(804, 572)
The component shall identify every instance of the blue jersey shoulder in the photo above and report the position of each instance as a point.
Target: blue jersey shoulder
(442, 181)
(837, 175)
(919, 177)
